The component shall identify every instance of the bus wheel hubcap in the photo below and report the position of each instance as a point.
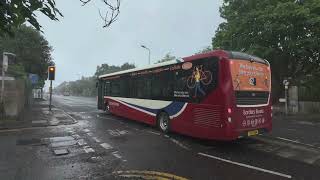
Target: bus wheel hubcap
(164, 122)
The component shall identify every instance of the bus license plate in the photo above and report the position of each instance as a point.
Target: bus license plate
(253, 133)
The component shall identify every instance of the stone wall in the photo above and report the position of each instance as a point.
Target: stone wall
(309, 107)
(14, 98)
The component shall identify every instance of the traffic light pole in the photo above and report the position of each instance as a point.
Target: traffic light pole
(50, 95)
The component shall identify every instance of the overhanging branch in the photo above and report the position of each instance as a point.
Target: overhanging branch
(112, 13)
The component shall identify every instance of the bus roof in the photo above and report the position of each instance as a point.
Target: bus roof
(226, 54)
(216, 53)
(142, 68)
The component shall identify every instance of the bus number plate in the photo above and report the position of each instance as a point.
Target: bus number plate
(253, 133)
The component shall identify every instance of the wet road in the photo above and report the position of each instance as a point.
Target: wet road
(143, 148)
(101, 144)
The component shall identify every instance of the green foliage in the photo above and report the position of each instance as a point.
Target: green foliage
(167, 57)
(17, 70)
(14, 13)
(283, 31)
(106, 69)
(83, 87)
(205, 50)
(87, 85)
(32, 49)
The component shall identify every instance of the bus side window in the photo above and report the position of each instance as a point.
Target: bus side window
(156, 89)
(107, 88)
(115, 88)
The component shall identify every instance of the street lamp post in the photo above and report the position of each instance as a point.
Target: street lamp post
(143, 46)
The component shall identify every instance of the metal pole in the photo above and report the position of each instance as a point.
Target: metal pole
(285, 94)
(149, 55)
(2, 86)
(50, 95)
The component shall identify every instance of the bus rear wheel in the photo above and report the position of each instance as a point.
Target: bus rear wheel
(163, 122)
(106, 107)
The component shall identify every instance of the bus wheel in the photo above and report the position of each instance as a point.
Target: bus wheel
(106, 107)
(163, 122)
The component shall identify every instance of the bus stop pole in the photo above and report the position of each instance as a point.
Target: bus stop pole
(50, 95)
(286, 97)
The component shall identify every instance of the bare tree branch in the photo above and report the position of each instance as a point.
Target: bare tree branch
(112, 13)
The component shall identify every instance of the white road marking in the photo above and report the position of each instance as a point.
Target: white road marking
(106, 146)
(297, 142)
(117, 132)
(88, 149)
(247, 166)
(179, 144)
(115, 154)
(156, 133)
(86, 130)
(96, 139)
(285, 139)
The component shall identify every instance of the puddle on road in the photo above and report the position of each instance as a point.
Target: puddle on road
(117, 132)
(63, 144)
(63, 138)
(33, 141)
(60, 152)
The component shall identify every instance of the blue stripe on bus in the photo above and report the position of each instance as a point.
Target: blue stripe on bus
(174, 108)
(171, 109)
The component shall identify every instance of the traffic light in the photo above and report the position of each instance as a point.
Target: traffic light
(51, 72)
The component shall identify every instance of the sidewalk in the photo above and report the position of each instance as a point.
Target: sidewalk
(39, 116)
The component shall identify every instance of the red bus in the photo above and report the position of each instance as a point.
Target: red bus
(218, 95)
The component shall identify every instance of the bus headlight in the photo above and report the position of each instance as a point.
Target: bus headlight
(229, 119)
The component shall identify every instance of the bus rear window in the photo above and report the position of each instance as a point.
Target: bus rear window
(250, 76)
(251, 82)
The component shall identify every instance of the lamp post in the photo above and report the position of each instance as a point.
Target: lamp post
(143, 46)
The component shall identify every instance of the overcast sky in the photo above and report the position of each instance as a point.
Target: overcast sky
(80, 43)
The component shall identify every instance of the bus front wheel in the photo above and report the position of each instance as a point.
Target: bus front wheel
(163, 122)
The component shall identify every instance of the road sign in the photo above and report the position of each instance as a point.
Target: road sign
(5, 63)
(282, 100)
(34, 78)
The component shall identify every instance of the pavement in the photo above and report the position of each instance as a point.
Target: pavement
(76, 141)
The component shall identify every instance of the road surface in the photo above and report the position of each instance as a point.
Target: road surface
(107, 144)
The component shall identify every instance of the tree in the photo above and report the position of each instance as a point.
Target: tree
(167, 57)
(32, 49)
(16, 12)
(106, 69)
(285, 32)
(205, 50)
(108, 18)
(86, 85)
